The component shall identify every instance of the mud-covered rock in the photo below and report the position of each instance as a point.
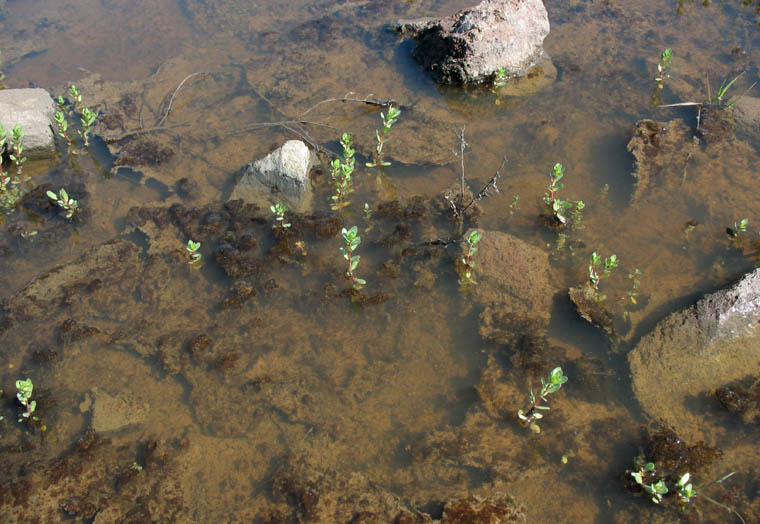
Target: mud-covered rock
(471, 45)
(695, 351)
(509, 270)
(500, 509)
(657, 146)
(590, 306)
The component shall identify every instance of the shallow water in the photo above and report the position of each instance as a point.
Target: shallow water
(297, 372)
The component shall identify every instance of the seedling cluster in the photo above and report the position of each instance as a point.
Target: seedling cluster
(67, 112)
(279, 216)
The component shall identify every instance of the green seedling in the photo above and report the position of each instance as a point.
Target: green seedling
(739, 227)
(341, 172)
(25, 388)
(192, 250)
(633, 292)
(556, 206)
(468, 266)
(606, 265)
(383, 136)
(62, 199)
(723, 91)
(645, 477)
(87, 120)
(279, 216)
(663, 66)
(76, 97)
(351, 241)
(63, 127)
(367, 217)
(500, 80)
(17, 147)
(513, 205)
(532, 414)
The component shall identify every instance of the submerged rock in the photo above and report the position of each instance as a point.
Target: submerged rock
(469, 47)
(282, 175)
(33, 110)
(510, 271)
(657, 146)
(695, 351)
(590, 305)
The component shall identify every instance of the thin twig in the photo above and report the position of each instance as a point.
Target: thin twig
(491, 184)
(126, 134)
(682, 104)
(462, 147)
(171, 100)
(379, 102)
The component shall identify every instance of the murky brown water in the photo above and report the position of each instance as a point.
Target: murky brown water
(244, 388)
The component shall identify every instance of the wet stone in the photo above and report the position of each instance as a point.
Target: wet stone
(706, 346)
(497, 509)
(590, 306)
(33, 110)
(657, 146)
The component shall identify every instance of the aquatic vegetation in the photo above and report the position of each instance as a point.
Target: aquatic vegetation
(557, 208)
(65, 202)
(66, 111)
(552, 385)
(17, 148)
(10, 193)
(279, 216)
(633, 291)
(606, 265)
(352, 241)
(500, 80)
(341, 172)
(513, 205)
(25, 388)
(723, 90)
(383, 135)
(468, 266)
(663, 66)
(192, 250)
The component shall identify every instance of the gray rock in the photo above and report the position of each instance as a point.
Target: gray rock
(33, 110)
(281, 176)
(694, 351)
(471, 45)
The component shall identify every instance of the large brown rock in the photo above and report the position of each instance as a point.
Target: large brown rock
(470, 46)
(694, 351)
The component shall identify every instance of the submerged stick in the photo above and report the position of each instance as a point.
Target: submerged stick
(174, 95)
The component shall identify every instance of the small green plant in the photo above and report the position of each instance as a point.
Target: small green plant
(468, 266)
(555, 206)
(63, 127)
(367, 210)
(663, 67)
(739, 227)
(65, 202)
(192, 250)
(723, 90)
(279, 216)
(17, 147)
(500, 80)
(646, 477)
(86, 121)
(633, 292)
(352, 241)
(10, 193)
(383, 136)
(341, 172)
(606, 265)
(513, 205)
(25, 388)
(552, 385)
